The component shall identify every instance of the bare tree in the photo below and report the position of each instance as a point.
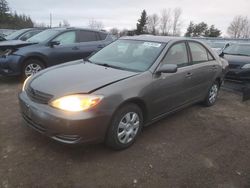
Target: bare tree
(177, 22)
(43, 25)
(94, 24)
(114, 31)
(65, 23)
(153, 22)
(239, 27)
(246, 30)
(165, 21)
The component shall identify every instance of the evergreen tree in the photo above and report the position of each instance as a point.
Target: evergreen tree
(202, 29)
(213, 32)
(190, 30)
(13, 20)
(142, 22)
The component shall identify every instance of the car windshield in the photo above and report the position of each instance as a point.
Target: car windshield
(14, 35)
(43, 36)
(238, 49)
(130, 55)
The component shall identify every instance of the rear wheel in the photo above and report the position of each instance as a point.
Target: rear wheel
(125, 127)
(32, 66)
(212, 94)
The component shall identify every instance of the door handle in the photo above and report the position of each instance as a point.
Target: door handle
(189, 75)
(214, 68)
(75, 48)
(100, 46)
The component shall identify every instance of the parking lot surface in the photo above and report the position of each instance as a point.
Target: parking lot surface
(196, 147)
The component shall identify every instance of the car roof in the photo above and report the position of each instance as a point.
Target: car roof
(75, 28)
(152, 38)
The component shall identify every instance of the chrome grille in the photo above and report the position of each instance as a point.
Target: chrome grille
(38, 96)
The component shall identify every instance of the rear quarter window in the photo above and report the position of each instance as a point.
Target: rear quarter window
(103, 36)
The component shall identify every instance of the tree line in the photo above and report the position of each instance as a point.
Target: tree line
(9, 20)
(167, 23)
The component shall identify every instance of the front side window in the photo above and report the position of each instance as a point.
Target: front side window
(198, 52)
(66, 38)
(130, 55)
(44, 36)
(177, 55)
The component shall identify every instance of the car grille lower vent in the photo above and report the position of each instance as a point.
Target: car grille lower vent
(38, 96)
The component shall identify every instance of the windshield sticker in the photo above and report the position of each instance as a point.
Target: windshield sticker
(152, 44)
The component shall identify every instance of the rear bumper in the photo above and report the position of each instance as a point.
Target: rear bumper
(65, 127)
(10, 65)
(238, 74)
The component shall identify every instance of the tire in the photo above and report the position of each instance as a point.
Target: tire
(125, 127)
(31, 66)
(212, 94)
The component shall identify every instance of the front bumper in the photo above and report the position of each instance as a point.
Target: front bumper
(10, 65)
(238, 74)
(65, 127)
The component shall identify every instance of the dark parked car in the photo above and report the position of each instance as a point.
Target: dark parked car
(218, 46)
(129, 84)
(2, 38)
(238, 57)
(24, 34)
(50, 47)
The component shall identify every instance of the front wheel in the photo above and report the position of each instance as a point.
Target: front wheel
(212, 94)
(125, 127)
(32, 66)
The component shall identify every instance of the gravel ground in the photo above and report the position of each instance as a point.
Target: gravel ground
(196, 147)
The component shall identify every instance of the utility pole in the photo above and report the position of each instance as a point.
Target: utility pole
(50, 18)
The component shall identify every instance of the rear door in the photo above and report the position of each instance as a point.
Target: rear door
(204, 69)
(66, 51)
(89, 42)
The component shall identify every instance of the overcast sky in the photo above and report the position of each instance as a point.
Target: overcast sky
(125, 13)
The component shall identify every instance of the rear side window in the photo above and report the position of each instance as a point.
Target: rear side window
(87, 36)
(198, 52)
(177, 55)
(103, 36)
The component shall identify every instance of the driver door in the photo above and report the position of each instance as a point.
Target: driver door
(170, 89)
(66, 51)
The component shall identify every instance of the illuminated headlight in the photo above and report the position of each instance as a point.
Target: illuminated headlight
(246, 66)
(25, 82)
(76, 103)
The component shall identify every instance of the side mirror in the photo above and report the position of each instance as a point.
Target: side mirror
(167, 68)
(53, 43)
(221, 54)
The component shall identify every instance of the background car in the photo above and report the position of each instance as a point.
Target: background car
(238, 57)
(23, 34)
(2, 38)
(129, 84)
(48, 48)
(218, 46)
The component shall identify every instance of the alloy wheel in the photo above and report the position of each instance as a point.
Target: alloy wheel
(32, 69)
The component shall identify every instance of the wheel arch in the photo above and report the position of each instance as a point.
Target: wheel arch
(140, 103)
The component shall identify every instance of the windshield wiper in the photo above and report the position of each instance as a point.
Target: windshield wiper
(109, 66)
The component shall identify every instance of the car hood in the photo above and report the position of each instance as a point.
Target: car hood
(76, 77)
(14, 44)
(237, 59)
